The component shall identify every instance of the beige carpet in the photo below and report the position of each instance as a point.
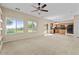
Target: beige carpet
(52, 45)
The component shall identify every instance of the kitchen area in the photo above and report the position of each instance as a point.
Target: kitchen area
(59, 28)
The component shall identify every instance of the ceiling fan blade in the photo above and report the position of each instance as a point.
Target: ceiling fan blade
(34, 10)
(44, 6)
(45, 10)
(34, 7)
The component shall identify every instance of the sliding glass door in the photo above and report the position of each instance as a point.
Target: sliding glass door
(14, 26)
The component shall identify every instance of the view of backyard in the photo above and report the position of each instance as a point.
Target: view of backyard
(14, 26)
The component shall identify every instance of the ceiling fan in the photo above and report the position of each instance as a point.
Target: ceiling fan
(39, 8)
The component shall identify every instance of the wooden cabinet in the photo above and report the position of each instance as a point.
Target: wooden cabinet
(62, 31)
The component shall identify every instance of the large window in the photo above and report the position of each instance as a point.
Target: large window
(20, 26)
(32, 26)
(14, 26)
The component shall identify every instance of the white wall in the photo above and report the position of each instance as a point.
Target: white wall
(10, 13)
(76, 25)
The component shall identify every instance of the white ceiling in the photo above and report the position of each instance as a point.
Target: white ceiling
(55, 10)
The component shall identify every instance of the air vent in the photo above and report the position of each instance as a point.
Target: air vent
(18, 9)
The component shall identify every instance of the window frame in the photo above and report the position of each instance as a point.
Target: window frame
(33, 29)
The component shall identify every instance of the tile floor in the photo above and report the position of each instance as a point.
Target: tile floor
(43, 45)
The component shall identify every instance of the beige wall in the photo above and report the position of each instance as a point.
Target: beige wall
(10, 13)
